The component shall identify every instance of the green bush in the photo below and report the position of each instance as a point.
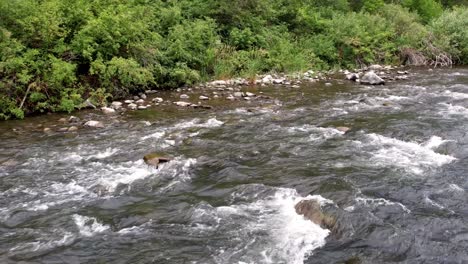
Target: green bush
(450, 32)
(55, 54)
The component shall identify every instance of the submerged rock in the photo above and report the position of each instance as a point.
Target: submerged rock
(311, 210)
(154, 159)
(74, 119)
(371, 78)
(72, 129)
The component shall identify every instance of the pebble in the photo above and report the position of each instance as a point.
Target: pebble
(202, 97)
(184, 96)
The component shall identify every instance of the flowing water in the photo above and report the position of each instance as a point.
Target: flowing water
(396, 183)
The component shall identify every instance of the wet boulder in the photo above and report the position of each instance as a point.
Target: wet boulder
(352, 76)
(371, 78)
(312, 211)
(154, 159)
(95, 124)
(108, 110)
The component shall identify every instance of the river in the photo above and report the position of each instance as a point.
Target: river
(396, 183)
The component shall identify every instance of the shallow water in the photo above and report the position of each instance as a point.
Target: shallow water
(396, 183)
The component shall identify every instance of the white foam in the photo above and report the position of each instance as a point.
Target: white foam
(178, 170)
(113, 175)
(451, 110)
(434, 142)
(105, 154)
(410, 156)
(455, 95)
(43, 246)
(317, 133)
(268, 230)
(88, 226)
(156, 135)
(456, 188)
(212, 122)
(376, 202)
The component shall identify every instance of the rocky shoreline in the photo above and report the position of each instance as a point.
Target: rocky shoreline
(211, 95)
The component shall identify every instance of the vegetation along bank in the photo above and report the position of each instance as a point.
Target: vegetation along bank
(60, 55)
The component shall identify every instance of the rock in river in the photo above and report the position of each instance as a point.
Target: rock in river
(154, 159)
(183, 104)
(108, 110)
(343, 129)
(93, 123)
(371, 78)
(311, 210)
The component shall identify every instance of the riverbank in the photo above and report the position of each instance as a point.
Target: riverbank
(215, 96)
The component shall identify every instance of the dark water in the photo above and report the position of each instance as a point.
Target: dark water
(396, 183)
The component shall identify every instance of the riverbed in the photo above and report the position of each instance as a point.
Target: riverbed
(396, 182)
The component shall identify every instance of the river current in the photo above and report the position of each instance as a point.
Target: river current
(396, 183)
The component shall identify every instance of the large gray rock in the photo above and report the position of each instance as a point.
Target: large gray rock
(371, 78)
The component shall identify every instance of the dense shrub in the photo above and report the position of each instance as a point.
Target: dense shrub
(451, 33)
(55, 54)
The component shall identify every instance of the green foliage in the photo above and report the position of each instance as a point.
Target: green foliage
(54, 54)
(8, 109)
(372, 5)
(427, 9)
(451, 33)
(99, 97)
(70, 99)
